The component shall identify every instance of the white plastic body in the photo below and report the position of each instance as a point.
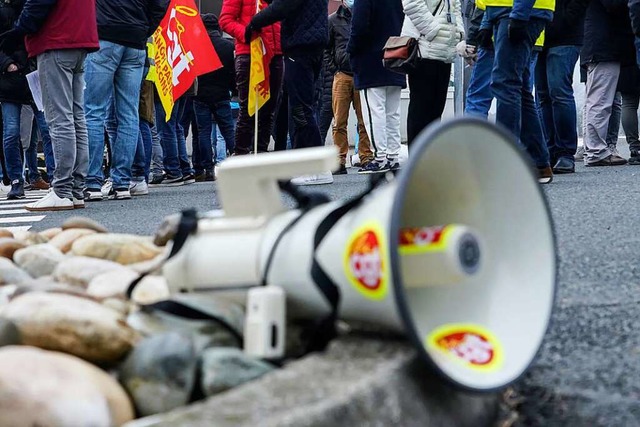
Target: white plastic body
(265, 323)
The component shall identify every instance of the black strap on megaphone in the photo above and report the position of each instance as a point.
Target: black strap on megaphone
(186, 227)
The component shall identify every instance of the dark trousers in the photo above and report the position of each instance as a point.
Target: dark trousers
(266, 115)
(301, 74)
(429, 84)
(281, 126)
(208, 113)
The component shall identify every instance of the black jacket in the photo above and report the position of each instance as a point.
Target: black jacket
(218, 85)
(13, 85)
(607, 33)
(129, 22)
(339, 30)
(473, 20)
(305, 24)
(567, 27)
(634, 12)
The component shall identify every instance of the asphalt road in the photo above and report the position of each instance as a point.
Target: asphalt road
(588, 372)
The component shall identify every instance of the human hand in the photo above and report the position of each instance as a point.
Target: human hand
(485, 38)
(248, 34)
(12, 68)
(517, 30)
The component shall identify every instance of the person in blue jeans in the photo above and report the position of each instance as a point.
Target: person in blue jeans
(123, 28)
(224, 147)
(31, 156)
(516, 29)
(554, 82)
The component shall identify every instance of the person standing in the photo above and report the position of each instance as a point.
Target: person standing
(214, 101)
(516, 26)
(123, 28)
(14, 93)
(373, 22)
(554, 82)
(235, 18)
(608, 46)
(305, 33)
(60, 42)
(344, 91)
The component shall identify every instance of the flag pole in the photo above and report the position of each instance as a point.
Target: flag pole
(255, 130)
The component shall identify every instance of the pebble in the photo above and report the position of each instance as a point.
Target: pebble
(160, 373)
(9, 333)
(167, 230)
(50, 233)
(38, 260)
(72, 325)
(82, 222)
(226, 368)
(9, 246)
(10, 274)
(6, 233)
(65, 239)
(30, 238)
(114, 284)
(122, 248)
(44, 388)
(79, 271)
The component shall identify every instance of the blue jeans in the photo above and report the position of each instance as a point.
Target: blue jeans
(301, 73)
(31, 155)
(207, 114)
(511, 81)
(13, 152)
(174, 144)
(156, 152)
(554, 91)
(117, 70)
(479, 95)
(142, 159)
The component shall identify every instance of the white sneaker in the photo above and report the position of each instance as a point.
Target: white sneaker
(78, 203)
(319, 179)
(106, 188)
(139, 188)
(4, 189)
(51, 202)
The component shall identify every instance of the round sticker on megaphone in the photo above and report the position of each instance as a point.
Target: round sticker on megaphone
(470, 345)
(366, 264)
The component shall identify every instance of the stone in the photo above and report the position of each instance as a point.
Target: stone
(167, 230)
(6, 233)
(356, 382)
(9, 246)
(81, 222)
(9, 333)
(226, 368)
(121, 248)
(72, 325)
(44, 388)
(38, 260)
(79, 271)
(10, 274)
(160, 373)
(207, 333)
(64, 240)
(50, 233)
(114, 284)
(7, 292)
(118, 305)
(30, 238)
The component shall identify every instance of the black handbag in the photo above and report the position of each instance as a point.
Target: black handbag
(401, 54)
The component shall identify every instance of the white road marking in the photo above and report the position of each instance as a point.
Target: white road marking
(13, 212)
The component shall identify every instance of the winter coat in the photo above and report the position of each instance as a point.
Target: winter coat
(634, 13)
(473, 23)
(373, 22)
(339, 29)
(13, 85)
(607, 33)
(305, 24)
(55, 26)
(234, 18)
(438, 26)
(567, 27)
(129, 22)
(218, 85)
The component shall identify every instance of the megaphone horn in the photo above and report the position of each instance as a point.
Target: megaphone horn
(457, 252)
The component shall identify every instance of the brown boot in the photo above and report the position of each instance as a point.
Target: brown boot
(612, 160)
(40, 184)
(545, 175)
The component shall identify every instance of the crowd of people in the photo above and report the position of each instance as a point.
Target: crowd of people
(105, 135)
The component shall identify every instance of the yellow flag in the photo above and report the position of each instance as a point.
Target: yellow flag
(259, 91)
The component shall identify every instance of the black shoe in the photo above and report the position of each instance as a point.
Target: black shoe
(17, 190)
(341, 171)
(119, 194)
(156, 181)
(201, 176)
(93, 195)
(189, 179)
(209, 176)
(564, 165)
(171, 181)
(612, 160)
(375, 167)
(634, 159)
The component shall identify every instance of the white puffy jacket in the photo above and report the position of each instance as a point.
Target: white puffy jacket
(437, 35)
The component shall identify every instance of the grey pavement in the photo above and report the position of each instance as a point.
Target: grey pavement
(588, 372)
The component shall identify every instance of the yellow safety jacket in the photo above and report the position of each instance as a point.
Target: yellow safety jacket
(539, 4)
(151, 52)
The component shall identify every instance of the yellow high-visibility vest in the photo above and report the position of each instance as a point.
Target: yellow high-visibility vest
(480, 4)
(151, 51)
(539, 4)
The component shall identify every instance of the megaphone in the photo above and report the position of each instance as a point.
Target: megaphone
(457, 252)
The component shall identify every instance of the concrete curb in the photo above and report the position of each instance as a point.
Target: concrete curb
(357, 382)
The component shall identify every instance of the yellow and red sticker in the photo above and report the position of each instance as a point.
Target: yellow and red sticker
(472, 345)
(424, 239)
(366, 264)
